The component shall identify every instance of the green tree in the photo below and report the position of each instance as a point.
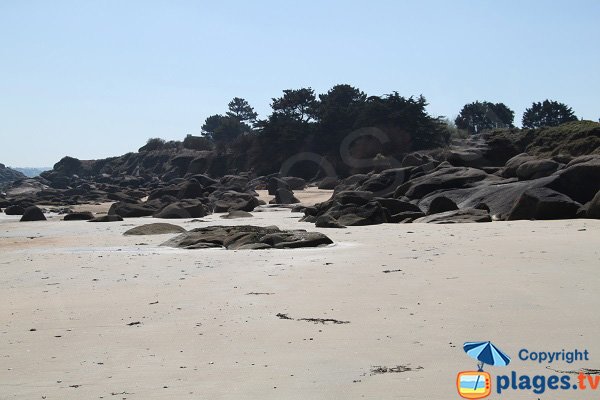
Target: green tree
(211, 125)
(298, 104)
(223, 129)
(340, 106)
(400, 116)
(241, 110)
(547, 113)
(478, 116)
(338, 111)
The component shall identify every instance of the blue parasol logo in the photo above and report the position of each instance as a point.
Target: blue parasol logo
(477, 384)
(486, 353)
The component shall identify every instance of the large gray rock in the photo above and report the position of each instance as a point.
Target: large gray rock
(499, 197)
(593, 208)
(327, 221)
(294, 183)
(107, 218)
(543, 203)
(467, 215)
(183, 209)
(232, 200)
(249, 237)
(441, 204)
(534, 169)
(443, 178)
(9, 175)
(237, 214)
(329, 182)
(386, 182)
(353, 182)
(354, 208)
(406, 216)
(284, 196)
(275, 184)
(510, 169)
(78, 216)
(234, 182)
(190, 190)
(580, 179)
(204, 180)
(14, 210)
(33, 213)
(395, 206)
(353, 215)
(129, 210)
(416, 159)
(467, 157)
(353, 197)
(158, 228)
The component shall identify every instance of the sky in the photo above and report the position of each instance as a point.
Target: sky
(93, 79)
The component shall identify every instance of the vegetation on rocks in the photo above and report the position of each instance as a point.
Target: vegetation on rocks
(570, 139)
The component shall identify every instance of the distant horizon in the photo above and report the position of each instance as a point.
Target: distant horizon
(97, 80)
(47, 167)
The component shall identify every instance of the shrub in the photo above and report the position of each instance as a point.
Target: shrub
(197, 143)
(153, 144)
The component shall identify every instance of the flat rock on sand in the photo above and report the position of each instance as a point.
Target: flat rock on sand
(79, 216)
(158, 228)
(457, 217)
(107, 218)
(233, 214)
(247, 237)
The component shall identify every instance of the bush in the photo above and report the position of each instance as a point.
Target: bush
(153, 144)
(197, 143)
(573, 139)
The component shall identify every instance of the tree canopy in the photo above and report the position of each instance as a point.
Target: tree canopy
(223, 129)
(299, 104)
(339, 118)
(547, 113)
(241, 110)
(479, 116)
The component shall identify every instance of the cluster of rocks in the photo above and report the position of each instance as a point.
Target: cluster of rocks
(39, 190)
(247, 237)
(477, 179)
(191, 197)
(9, 175)
(194, 197)
(427, 190)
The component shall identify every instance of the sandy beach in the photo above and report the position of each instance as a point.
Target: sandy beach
(236, 200)
(88, 313)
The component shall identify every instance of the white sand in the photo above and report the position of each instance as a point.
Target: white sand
(78, 284)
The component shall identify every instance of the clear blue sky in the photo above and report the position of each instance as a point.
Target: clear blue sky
(93, 79)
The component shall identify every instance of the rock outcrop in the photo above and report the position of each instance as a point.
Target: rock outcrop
(158, 228)
(247, 237)
(33, 213)
(9, 175)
